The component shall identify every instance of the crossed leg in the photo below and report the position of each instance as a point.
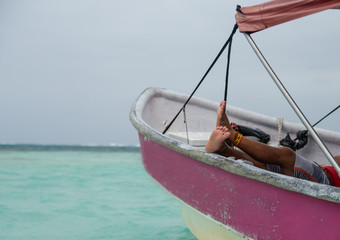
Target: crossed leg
(258, 153)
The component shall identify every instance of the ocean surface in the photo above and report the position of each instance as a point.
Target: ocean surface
(83, 192)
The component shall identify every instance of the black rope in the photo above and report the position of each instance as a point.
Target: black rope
(227, 72)
(238, 9)
(211, 66)
(301, 136)
(326, 116)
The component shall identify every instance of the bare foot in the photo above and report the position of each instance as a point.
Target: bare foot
(222, 119)
(217, 139)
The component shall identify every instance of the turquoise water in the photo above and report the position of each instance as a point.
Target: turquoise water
(83, 193)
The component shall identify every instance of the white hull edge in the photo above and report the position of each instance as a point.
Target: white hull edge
(206, 228)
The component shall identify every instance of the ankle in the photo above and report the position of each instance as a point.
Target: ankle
(232, 136)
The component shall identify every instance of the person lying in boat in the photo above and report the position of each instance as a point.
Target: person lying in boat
(280, 160)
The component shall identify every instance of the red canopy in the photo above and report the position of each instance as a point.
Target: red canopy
(271, 13)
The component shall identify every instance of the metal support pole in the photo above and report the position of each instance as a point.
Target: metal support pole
(293, 104)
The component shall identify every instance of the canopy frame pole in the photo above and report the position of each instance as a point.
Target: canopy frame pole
(292, 103)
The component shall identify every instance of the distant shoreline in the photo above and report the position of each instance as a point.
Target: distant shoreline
(56, 147)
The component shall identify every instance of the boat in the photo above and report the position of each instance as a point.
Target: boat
(224, 198)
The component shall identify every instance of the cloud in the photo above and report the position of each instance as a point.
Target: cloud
(70, 70)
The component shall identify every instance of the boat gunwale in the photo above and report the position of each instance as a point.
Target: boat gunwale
(240, 168)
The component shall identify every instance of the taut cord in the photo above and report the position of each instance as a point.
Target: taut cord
(227, 71)
(326, 116)
(204, 76)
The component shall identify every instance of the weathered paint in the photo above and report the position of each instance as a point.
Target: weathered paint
(206, 228)
(253, 208)
(257, 203)
(155, 106)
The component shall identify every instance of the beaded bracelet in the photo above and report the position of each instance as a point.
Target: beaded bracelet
(237, 139)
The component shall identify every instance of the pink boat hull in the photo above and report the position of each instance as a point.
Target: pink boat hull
(253, 208)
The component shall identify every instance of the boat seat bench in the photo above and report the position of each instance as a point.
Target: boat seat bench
(196, 139)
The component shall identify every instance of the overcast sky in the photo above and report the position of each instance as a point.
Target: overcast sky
(70, 70)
